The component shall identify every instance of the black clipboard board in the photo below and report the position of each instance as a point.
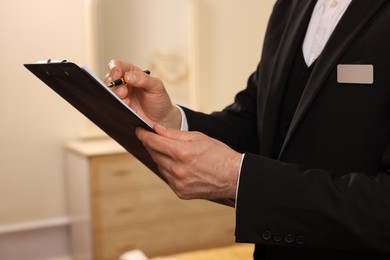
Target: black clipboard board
(97, 102)
(89, 95)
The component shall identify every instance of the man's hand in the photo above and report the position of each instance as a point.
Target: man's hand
(145, 94)
(194, 165)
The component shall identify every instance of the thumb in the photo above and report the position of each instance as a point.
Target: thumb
(140, 79)
(171, 133)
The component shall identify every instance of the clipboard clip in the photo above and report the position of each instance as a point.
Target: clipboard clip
(51, 61)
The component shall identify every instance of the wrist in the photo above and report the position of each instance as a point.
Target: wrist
(234, 169)
(174, 118)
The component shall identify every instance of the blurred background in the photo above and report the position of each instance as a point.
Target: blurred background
(204, 50)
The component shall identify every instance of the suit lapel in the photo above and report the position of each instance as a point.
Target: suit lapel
(343, 35)
(299, 17)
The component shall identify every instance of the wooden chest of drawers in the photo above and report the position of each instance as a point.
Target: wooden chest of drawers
(116, 204)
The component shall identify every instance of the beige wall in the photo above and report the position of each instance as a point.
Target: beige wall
(35, 122)
(229, 35)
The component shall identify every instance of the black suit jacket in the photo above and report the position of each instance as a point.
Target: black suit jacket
(326, 195)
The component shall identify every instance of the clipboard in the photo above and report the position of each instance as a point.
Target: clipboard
(89, 95)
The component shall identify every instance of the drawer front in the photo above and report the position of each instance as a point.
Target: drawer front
(168, 237)
(117, 172)
(148, 205)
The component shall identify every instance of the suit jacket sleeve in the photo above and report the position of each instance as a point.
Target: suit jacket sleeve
(312, 207)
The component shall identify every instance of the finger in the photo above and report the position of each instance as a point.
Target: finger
(165, 166)
(163, 162)
(107, 79)
(115, 70)
(159, 158)
(174, 134)
(118, 68)
(139, 79)
(156, 142)
(121, 91)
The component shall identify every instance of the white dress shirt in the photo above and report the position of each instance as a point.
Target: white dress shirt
(325, 17)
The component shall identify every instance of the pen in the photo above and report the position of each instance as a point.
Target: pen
(121, 81)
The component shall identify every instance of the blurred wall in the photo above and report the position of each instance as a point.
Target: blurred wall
(35, 122)
(228, 36)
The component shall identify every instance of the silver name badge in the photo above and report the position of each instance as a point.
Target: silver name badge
(355, 73)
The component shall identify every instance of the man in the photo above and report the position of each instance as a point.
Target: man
(304, 149)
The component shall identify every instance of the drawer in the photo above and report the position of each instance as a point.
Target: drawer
(119, 172)
(149, 205)
(169, 237)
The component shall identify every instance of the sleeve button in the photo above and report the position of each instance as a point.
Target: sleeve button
(300, 240)
(266, 235)
(278, 237)
(289, 238)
